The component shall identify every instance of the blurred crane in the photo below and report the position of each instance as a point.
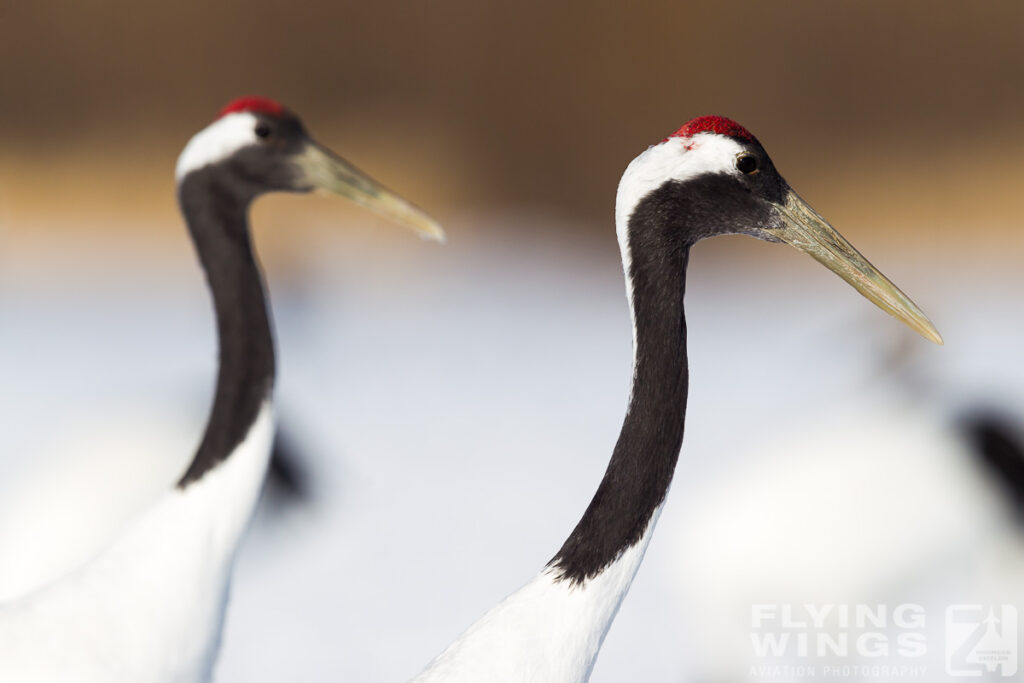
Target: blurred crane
(150, 606)
(905, 494)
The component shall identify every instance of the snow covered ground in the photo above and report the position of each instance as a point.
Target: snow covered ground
(457, 406)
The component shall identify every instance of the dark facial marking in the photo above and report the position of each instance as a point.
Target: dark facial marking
(262, 167)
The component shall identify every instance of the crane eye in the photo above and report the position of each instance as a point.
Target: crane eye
(262, 131)
(746, 164)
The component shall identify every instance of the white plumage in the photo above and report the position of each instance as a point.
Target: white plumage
(150, 606)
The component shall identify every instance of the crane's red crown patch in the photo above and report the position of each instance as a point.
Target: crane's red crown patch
(259, 105)
(719, 125)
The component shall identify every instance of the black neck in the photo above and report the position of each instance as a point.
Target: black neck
(218, 223)
(641, 467)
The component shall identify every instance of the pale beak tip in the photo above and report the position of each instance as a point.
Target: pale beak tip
(434, 233)
(924, 327)
(935, 337)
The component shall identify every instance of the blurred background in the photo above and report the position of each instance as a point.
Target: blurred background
(455, 407)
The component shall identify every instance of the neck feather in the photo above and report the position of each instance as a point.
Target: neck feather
(641, 467)
(553, 627)
(218, 223)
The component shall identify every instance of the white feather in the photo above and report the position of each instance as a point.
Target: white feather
(674, 159)
(149, 608)
(548, 630)
(218, 141)
(858, 506)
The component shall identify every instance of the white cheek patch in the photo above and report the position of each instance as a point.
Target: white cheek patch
(674, 159)
(219, 140)
(677, 159)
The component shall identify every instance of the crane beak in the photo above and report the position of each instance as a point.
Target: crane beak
(321, 169)
(804, 229)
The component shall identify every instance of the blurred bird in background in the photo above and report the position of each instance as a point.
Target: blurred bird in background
(907, 492)
(150, 605)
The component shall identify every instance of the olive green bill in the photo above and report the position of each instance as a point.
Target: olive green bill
(326, 171)
(804, 229)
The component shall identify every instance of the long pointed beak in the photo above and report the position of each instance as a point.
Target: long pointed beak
(323, 170)
(804, 229)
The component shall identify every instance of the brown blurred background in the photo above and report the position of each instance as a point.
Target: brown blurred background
(902, 115)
